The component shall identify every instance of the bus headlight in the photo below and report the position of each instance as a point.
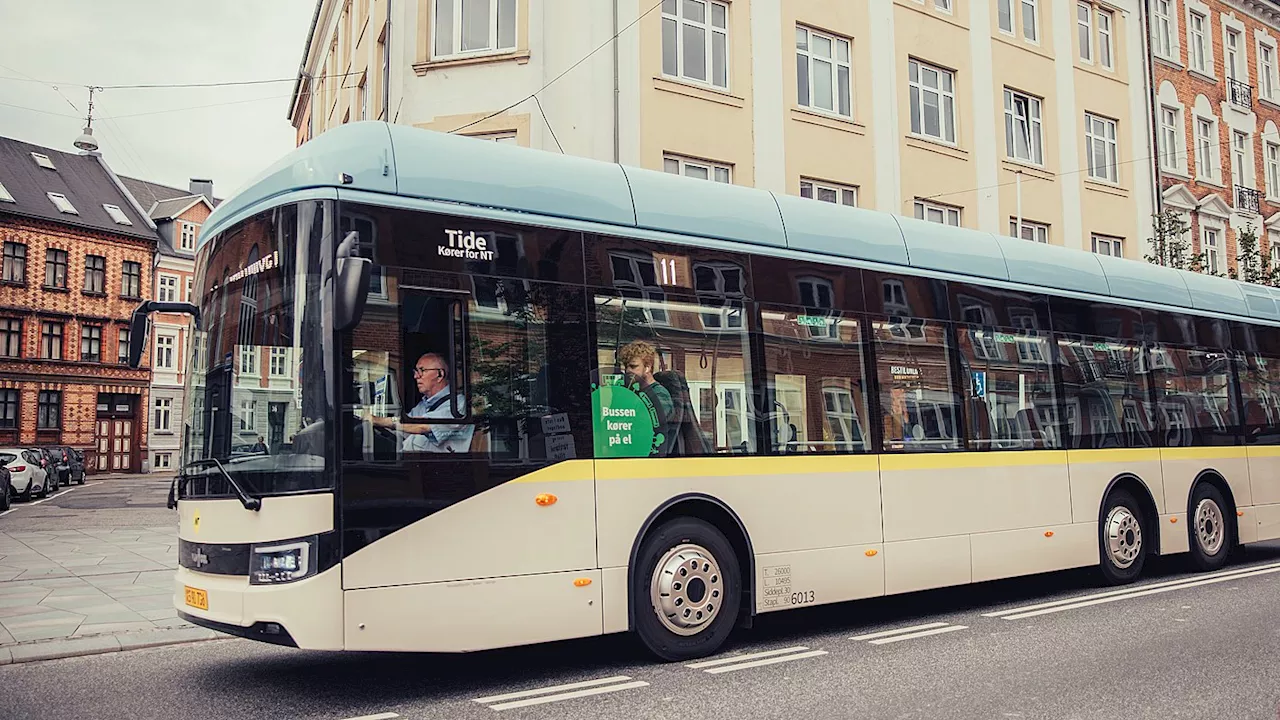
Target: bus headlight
(282, 562)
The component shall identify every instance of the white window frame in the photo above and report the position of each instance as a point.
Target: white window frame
(1114, 245)
(1106, 39)
(946, 100)
(1084, 32)
(1165, 28)
(456, 31)
(715, 171)
(1170, 137)
(362, 97)
(1031, 19)
(186, 236)
(165, 352)
(1240, 158)
(1031, 231)
(167, 287)
(673, 11)
(61, 202)
(187, 296)
(840, 47)
(278, 362)
(4, 194)
(1110, 172)
(1199, 43)
(924, 208)
(1232, 55)
(1206, 145)
(43, 161)
(1006, 7)
(117, 214)
(164, 461)
(1213, 251)
(1272, 151)
(1274, 238)
(503, 137)
(248, 415)
(842, 193)
(1266, 70)
(162, 409)
(1029, 120)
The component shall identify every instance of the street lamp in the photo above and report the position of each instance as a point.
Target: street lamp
(86, 142)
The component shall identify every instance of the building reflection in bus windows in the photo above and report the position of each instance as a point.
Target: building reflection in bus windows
(918, 404)
(1192, 376)
(1258, 366)
(815, 381)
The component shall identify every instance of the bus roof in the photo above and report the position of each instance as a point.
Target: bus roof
(397, 160)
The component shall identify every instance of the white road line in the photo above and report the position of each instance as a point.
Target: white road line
(742, 658)
(1126, 591)
(922, 633)
(37, 502)
(886, 633)
(766, 661)
(379, 716)
(552, 689)
(569, 695)
(1141, 593)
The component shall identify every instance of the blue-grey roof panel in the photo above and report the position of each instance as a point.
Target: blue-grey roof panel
(1215, 294)
(440, 166)
(1133, 280)
(942, 247)
(1053, 266)
(1261, 304)
(674, 203)
(841, 230)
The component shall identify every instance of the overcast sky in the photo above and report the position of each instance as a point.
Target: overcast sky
(131, 42)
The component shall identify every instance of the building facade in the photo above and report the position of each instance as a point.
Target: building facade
(178, 215)
(77, 253)
(1217, 118)
(1022, 117)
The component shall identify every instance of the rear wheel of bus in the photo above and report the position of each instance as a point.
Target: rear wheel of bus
(687, 589)
(1211, 528)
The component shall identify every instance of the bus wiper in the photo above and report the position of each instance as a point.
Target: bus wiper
(250, 502)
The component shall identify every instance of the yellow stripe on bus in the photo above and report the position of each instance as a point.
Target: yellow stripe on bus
(945, 461)
(728, 466)
(566, 471)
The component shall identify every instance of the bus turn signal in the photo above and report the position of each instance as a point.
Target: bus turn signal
(545, 499)
(872, 553)
(1048, 533)
(582, 582)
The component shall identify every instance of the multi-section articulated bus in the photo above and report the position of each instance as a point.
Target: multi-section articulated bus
(448, 395)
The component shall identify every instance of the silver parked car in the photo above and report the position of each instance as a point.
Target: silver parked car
(27, 475)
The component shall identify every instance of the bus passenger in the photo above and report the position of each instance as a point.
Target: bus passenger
(431, 375)
(638, 360)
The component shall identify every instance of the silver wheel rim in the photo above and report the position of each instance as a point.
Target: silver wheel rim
(1209, 526)
(687, 589)
(1124, 537)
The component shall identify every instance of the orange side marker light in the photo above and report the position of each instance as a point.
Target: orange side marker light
(1239, 513)
(582, 582)
(872, 553)
(545, 499)
(1173, 520)
(1048, 533)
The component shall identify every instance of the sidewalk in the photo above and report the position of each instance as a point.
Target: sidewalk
(77, 592)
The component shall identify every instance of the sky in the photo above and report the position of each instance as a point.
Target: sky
(162, 135)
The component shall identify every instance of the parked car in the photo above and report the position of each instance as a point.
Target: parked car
(70, 462)
(5, 488)
(27, 475)
(49, 461)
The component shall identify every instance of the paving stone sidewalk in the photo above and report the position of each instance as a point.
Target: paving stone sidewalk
(71, 592)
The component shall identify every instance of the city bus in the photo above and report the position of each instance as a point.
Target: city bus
(447, 396)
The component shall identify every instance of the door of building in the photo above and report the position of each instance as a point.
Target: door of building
(115, 434)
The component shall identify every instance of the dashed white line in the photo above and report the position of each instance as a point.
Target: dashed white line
(37, 502)
(767, 661)
(922, 633)
(752, 660)
(557, 693)
(379, 716)
(743, 658)
(887, 633)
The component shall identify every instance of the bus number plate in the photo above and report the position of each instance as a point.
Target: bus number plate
(197, 598)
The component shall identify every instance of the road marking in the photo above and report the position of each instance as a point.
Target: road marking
(767, 661)
(37, 502)
(379, 716)
(1238, 572)
(742, 658)
(922, 633)
(887, 633)
(556, 693)
(1141, 593)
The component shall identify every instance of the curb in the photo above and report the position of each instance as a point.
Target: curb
(99, 644)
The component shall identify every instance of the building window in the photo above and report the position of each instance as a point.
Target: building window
(163, 414)
(824, 74)
(1205, 147)
(167, 288)
(123, 342)
(131, 287)
(464, 27)
(1212, 250)
(61, 202)
(695, 41)
(95, 274)
(5, 195)
(1239, 143)
(10, 338)
(91, 343)
(1196, 54)
(164, 352)
(362, 97)
(1100, 143)
(1105, 39)
(8, 409)
(1033, 231)
(1169, 136)
(1030, 23)
(1273, 169)
(1266, 71)
(677, 165)
(829, 192)
(277, 362)
(117, 214)
(1104, 245)
(51, 340)
(55, 268)
(933, 101)
(934, 212)
(187, 296)
(15, 262)
(1162, 29)
(1022, 127)
(1084, 30)
(506, 137)
(164, 461)
(942, 5)
(1004, 12)
(188, 239)
(248, 415)
(1232, 59)
(49, 415)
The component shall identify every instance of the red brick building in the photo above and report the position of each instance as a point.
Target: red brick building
(1216, 99)
(77, 260)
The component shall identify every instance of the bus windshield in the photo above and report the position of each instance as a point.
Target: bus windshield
(256, 400)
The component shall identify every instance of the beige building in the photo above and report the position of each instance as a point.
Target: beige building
(970, 112)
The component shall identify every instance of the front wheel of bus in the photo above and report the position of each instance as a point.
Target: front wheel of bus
(1121, 538)
(687, 590)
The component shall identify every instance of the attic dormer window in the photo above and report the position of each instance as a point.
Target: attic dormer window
(43, 160)
(62, 203)
(117, 214)
(4, 194)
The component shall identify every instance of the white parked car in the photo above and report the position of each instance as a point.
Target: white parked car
(26, 475)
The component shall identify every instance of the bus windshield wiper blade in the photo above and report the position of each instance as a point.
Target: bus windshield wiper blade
(250, 502)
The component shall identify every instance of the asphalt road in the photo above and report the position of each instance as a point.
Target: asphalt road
(1177, 645)
(137, 500)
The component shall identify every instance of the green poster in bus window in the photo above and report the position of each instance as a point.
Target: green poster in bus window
(624, 419)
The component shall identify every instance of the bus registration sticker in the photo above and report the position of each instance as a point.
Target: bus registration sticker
(197, 598)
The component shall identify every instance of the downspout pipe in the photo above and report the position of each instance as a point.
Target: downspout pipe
(1153, 108)
(617, 120)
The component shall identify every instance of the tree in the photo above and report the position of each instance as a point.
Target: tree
(1252, 265)
(1170, 246)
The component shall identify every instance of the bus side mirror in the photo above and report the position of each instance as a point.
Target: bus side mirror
(351, 286)
(138, 330)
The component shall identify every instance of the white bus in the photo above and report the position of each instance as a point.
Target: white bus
(448, 396)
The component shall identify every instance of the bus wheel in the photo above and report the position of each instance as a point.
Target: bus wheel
(1209, 527)
(1120, 536)
(688, 590)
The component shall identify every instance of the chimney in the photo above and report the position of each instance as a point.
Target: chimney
(202, 187)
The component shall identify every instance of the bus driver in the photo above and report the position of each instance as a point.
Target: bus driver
(431, 375)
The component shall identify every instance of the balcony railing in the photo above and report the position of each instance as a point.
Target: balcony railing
(1240, 94)
(1247, 199)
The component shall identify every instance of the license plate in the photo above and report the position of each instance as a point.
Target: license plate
(197, 598)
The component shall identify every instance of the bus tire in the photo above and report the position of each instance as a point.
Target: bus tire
(687, 590)
(1121, 541)
(1210, 527)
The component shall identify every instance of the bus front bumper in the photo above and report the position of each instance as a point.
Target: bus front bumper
(305, 614)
